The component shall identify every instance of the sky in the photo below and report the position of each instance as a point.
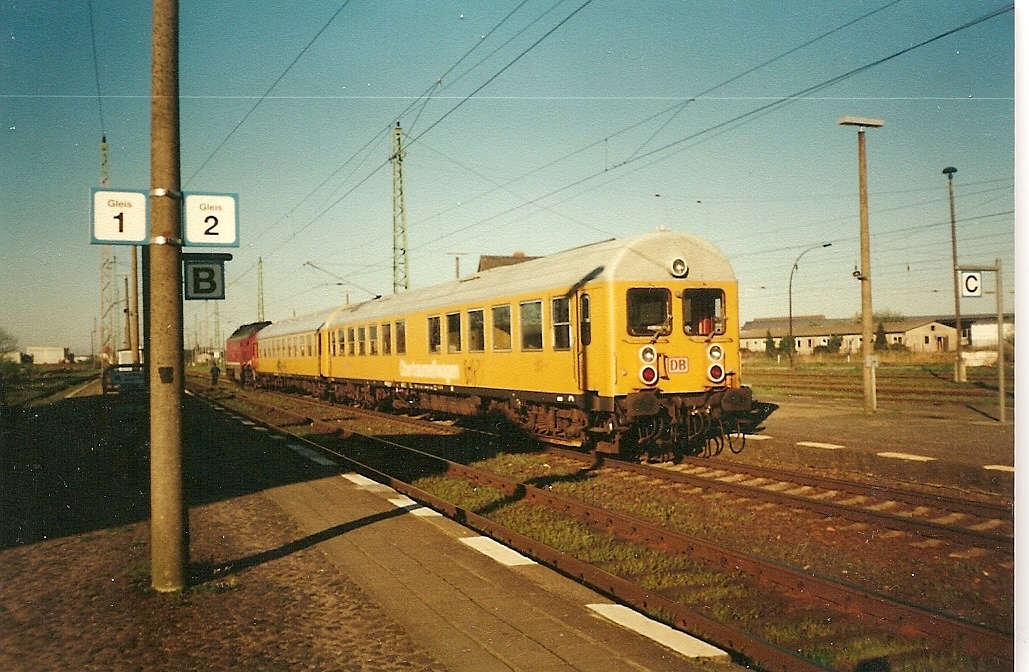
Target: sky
(530, 126)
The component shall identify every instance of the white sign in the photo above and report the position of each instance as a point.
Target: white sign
(120, 218)
(210, 220)
(971, 283)
(203, 279)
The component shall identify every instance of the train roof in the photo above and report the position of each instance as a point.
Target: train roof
(246, 330)
(296, 325)
(644, 258)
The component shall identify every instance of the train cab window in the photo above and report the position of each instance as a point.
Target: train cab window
(502, 327)
(453, 332)
(351, 342)
(401, 329)
(373, 339)
(531, 321)
(585, 321)
(361, 341)
(387, 339)
(703, 312)
(561, 323)
(476, 331)
(649, 311)
(435, 336)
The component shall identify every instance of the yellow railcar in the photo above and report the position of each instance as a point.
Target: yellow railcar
(623, 345)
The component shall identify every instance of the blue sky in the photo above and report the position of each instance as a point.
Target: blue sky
(532, 126)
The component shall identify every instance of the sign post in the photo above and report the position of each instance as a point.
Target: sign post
(971, 285)
(169, 519)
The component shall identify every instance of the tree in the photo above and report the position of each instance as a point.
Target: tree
(835, 343)
(880, 337)
(769, 343)
(8, 343)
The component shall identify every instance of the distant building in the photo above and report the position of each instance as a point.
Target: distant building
(46, 354)
(917, 334)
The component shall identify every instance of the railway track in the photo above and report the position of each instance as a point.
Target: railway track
(810, 588)
(977, 525)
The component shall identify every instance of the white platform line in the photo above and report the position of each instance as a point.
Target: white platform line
(404, 502)
(757, 437)
(497, 551)
(999, 467)
(677, 641)
(368, 484)
(824, 446)
(312, 455)
(907, 456)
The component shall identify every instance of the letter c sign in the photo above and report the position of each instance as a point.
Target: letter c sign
(971, 283)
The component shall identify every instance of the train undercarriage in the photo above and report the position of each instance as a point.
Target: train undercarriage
(644, 425)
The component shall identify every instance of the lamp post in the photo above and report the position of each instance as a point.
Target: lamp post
(866, 265)
(813, 247)
(959, 362)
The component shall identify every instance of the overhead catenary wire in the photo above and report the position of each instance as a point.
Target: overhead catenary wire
(660, 153)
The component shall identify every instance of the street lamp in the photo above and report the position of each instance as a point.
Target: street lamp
(866, 264)
(959, 363)
(813, 247)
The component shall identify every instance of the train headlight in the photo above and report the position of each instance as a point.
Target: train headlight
(715, 373)
(648, 375)
(648, 354)
(715, 352)
(680, 269)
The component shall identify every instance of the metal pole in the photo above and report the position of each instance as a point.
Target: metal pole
(134, 308)
(813, 247)
(169, 521)
(865, 276)
(1002, 410)
(866, 279)
(959, 362)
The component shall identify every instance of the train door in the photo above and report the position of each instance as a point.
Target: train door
(583, 340)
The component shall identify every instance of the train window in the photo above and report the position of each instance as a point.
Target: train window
(560, 320)
(502, 327)
(453, 332)
(401, 337)
(361, 335)
(373, 339)
(703, 312)
(332, 343)
(476, 331)
(435, 337)
(387, 339)
(649, 311)
(585, 321)
(341, 336)
(531, 320)
(351, 342)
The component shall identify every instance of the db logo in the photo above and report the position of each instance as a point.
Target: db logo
(677, 364)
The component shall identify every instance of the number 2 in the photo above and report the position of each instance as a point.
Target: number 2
(213, 221)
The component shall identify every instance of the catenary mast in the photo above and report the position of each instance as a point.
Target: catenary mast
(400, 281)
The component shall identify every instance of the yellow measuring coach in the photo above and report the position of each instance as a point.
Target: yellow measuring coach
(627, 346)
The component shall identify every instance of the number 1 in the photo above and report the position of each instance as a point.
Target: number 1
(121, 222)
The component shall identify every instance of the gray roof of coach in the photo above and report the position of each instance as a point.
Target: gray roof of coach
(296, 325)
(644, 258)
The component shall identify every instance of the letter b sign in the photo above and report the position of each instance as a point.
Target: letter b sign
(204, 279)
